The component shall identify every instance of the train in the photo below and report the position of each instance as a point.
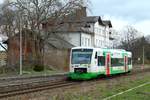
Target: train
(89, 62)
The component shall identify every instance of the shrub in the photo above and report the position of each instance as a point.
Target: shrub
(38, 68)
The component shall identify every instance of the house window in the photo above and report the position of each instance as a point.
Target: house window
(85, 41)
(88, 42)
(96, 42)
(82, 41)
(99, 42)
(95, 30)
(101, 32)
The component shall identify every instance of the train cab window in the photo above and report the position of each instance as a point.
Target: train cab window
(101, 60)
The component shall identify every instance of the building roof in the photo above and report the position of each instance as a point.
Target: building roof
(107, 22)
(56, 41)
(79, 25)
(76, 22)
(90, 19)
(94, 19)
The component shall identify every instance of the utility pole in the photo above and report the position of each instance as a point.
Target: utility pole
(143, 55)
(20, 32)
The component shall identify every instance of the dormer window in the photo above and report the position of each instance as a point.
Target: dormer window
(87, 26)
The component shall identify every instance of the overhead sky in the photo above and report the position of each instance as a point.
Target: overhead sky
(1, 1)
(124, 12)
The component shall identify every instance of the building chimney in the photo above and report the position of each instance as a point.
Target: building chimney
(81, 12)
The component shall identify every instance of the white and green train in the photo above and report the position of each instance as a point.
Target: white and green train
(88, 63)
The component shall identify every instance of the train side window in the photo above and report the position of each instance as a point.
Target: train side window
(117, 62)
(96, 55)
(129, 61)
(101, 60)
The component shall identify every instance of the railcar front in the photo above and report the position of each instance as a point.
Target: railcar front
(81, 60)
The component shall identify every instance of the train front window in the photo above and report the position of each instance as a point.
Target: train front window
(81, 56)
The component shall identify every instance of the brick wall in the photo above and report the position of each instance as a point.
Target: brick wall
(3, 58)
(57, 58)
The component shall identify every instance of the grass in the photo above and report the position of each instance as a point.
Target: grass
(29, 72)
(44, 72)
(99, 91)
(125, 85)
(141, 93)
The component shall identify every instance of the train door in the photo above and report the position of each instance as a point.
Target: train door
(126, 63)
(95, 59)
(107, 64)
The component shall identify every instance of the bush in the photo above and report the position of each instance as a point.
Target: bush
(38, 68)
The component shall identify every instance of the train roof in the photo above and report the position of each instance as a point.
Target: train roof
(83, 48)
(104, 49)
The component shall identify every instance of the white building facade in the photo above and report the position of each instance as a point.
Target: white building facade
(102, 35)
(93, 33)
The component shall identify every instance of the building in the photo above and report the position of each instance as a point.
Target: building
(82, 30)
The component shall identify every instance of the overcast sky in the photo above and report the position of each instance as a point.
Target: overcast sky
(124, 12)
(1, 1)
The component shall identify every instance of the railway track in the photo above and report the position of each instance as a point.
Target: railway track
(36, 88)
(28, 87)
(24, 78)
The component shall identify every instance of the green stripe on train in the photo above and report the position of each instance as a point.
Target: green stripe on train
(112, 71)
(83, 76)
(86, 76)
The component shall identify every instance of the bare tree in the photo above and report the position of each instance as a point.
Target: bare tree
(129, 35)
(7, 18)
(116, 38)
(31, 14)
